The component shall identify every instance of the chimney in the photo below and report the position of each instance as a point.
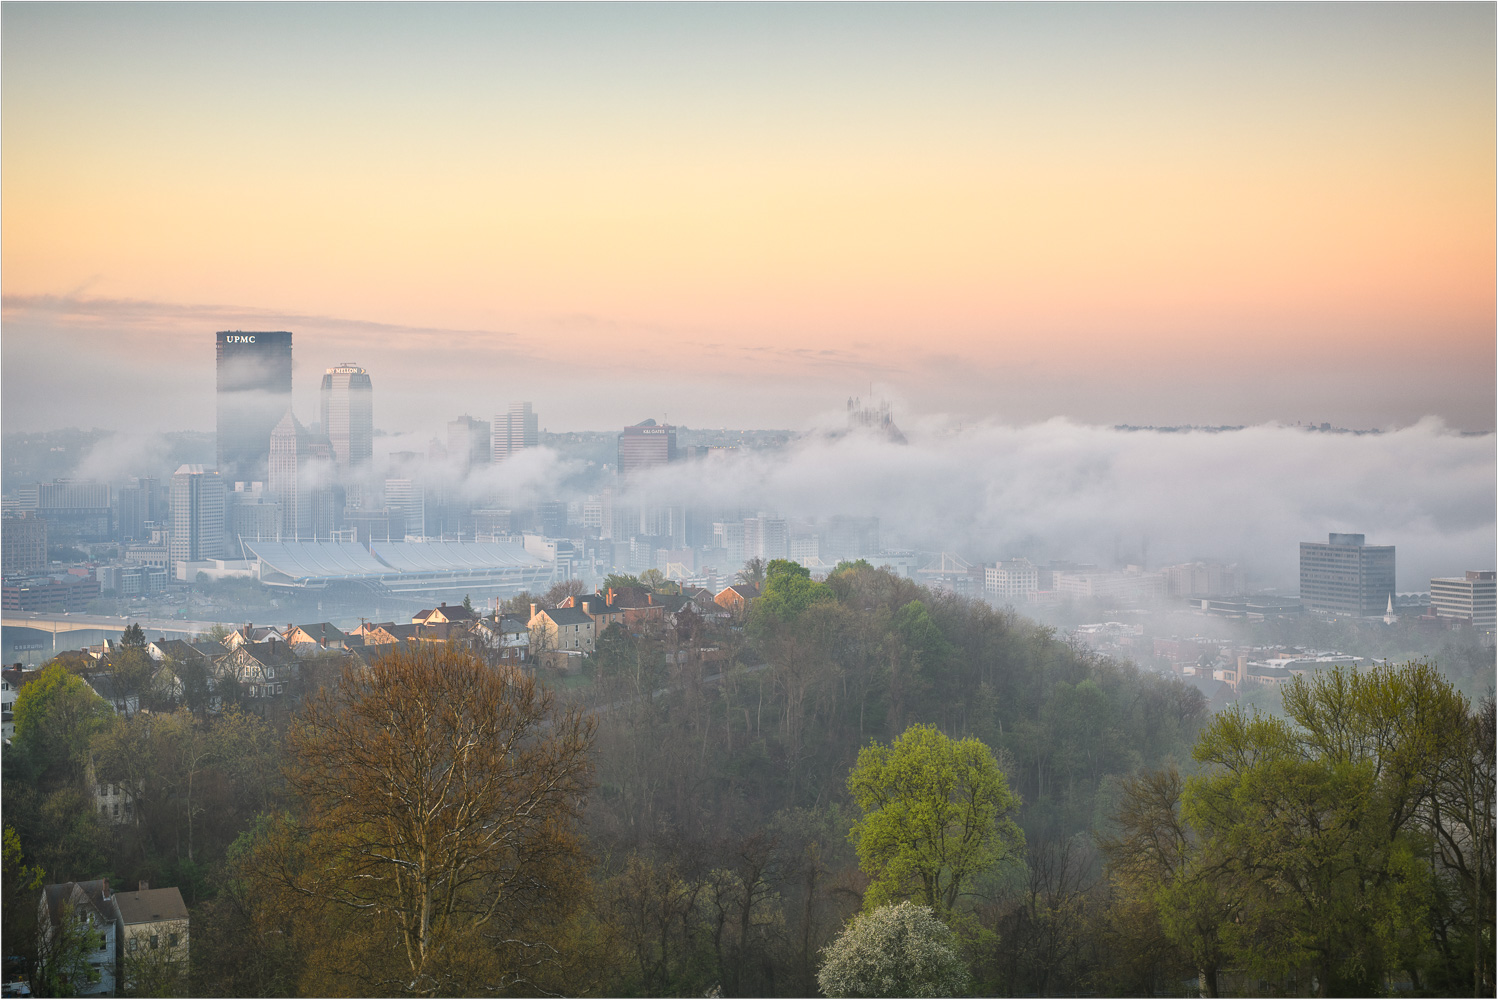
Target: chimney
(649, 597)
(609, 599)
(534, 611)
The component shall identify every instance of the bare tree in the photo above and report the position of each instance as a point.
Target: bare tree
(441, 800)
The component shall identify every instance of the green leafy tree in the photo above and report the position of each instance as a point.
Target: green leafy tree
(901, 950)
(63, 968)
(134, 637)
(20, 883)
(621, 581)
(937, 814)
(788, 591)
(55, 716)
(467, 603)
(1315, 822)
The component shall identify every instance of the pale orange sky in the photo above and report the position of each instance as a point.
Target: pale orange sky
(740, 215)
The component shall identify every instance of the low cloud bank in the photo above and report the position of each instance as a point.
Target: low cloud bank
(1062, 490)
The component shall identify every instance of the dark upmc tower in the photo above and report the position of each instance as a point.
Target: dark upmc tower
(254, 393)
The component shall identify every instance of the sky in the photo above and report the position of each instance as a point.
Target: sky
(740, 215)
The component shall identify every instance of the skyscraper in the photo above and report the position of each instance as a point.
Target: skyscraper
(254, 390)
(1346, 577)
(515, 430)
(348, 416)
(468, 443)
(301, 480)
(197, 516)
(644, 445)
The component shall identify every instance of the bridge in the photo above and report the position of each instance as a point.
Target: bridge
(60, 623)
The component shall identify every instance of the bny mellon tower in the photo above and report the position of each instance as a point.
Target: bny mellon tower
(254, 392)
(348, 416)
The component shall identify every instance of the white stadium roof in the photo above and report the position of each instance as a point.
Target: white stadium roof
(399, 566)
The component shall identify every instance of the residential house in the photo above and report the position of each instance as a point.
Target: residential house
(153, 928)
(249, 633)
(561, 629)
(89, 908)
(736, 599)
(264, 668)
(308, 640)
(445, 614)
(506, 639)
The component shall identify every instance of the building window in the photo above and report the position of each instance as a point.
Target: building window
(171, 940)
(155, 941)
(130, 945)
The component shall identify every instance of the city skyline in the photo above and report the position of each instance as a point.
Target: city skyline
(737, 216)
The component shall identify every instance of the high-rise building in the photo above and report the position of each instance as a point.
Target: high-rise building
(645, 445)
(514, 431)
(1346, 577)
(197, 516)
(409, 499)
(1473, 597)
(348, 416)
(468, 443)
(253, 514)
(766, 538)
(77, 511)
(301, 472)
(137, 505)
(23, 542)
(1011, 579)
(254, 390)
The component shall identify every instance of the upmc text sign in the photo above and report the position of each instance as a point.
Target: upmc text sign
(239, 340)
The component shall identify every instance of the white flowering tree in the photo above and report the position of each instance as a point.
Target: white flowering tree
(894, 951)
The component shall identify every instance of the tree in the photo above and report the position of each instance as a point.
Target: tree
(134, 637)
(937, 814)
(622, 581)
(560, 591)
(20, 883)
(440, 801)
(894, 951)
(467, 603)
(64, 951)
(1320, 823)
(519, 606)
(753, 572)
(788, 591)
(55, 715)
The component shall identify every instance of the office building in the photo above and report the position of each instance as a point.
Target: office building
(1011, 580)
(469, 443)
(75, 511)
(23, 540)
(198, 515)
(1470, 598)
(253, 513)
(137, 507)
(1346, 577)
(646, 445)
(348, 417)
(409, 499)
(515, 431)
(301, 480)
(254, 390)
(766, 538)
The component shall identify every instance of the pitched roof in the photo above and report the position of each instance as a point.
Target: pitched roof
(323, 630)
(83, 896)
(150, 905)
(567, 616)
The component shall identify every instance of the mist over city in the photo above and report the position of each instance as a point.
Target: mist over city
(843, 500)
